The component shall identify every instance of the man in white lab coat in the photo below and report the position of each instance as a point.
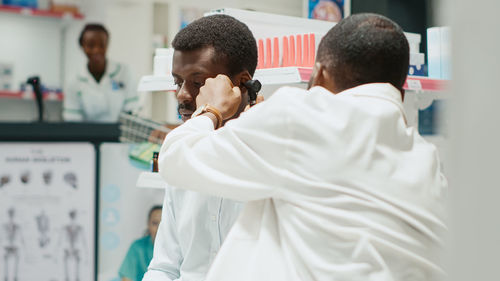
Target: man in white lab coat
(337, 186)
(195, 224)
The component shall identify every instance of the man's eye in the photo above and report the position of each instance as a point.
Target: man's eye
(198, 84)
(178, 83)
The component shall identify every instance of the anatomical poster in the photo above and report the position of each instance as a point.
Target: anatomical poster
(47, 217)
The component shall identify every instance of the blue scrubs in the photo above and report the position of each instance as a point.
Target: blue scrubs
(137, 260)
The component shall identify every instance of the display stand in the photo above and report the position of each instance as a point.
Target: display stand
(150, 180)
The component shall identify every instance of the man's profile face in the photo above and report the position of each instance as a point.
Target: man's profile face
(190, 70)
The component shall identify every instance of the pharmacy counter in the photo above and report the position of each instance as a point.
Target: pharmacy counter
(57, 132)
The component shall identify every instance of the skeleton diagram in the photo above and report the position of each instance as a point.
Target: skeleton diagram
(5, 179)
(12, 244)
(42, 223)
(47, 177)
(71, 179)
(74, 245)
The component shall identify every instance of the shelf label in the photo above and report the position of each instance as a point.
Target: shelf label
(26, 12)
(414, 84)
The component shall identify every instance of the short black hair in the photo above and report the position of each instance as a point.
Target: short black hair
(154, 208)
(365, 48)
(92, 27)
(233, 42)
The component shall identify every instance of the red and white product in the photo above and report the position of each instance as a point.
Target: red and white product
(297, 50)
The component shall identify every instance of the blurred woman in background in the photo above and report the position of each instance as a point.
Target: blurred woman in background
(104, 88)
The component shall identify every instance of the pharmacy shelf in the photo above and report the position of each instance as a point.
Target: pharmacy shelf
(292, 75)
(39, 13)
(283, 75)
(269, 76)
(150, 180)
(418, 83)
(156, 83)
(30, 96)
(287, 75)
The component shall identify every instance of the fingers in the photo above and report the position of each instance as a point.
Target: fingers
(260, 98)
(220, 78)
(237, 91)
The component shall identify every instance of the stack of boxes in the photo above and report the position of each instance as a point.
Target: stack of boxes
(438, 52)
(439, 58)
(417, 59)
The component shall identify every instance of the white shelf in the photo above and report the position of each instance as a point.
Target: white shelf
(283, 75)
(150, 180)
(287, 75)
(293, 75)
(153, 83)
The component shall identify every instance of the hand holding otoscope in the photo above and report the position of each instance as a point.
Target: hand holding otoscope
(222, 98)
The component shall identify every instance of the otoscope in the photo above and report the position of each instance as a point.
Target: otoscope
(253, 87)
(35, 82)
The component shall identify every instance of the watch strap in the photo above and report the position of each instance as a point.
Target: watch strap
(208, 108)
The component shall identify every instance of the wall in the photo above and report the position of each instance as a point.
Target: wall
(32, 46)
(475, 136)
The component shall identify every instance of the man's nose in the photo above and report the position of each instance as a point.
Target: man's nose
(183, 95)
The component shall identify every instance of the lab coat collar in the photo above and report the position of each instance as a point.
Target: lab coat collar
(111, 67)
(384, 91)
(379, 90)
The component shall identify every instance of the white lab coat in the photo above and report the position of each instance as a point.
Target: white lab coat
(337, 187)
(87, 100)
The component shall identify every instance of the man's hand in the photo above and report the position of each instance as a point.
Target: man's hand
(220, 93)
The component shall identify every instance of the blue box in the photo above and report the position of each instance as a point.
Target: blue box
(21, 3)
(429, 118)
(417, 65)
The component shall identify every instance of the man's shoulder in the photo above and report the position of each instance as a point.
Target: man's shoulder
(287, 93)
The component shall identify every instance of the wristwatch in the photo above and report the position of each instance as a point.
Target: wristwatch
(208, 108)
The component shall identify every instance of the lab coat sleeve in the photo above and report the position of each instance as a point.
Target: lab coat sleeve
(72, 104)
(131, 102)
(167, 255)
(244, 160)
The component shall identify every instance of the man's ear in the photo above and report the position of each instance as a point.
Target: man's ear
(318, 75)
(240, 79)
(321, 77)
(243, 77)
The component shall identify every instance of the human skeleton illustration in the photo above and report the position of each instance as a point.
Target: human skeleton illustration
(42, 223)
(75, 247)
(12, 245)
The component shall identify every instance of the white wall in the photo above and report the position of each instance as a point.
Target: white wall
(131, 27)
(475, 136)
(32, 46)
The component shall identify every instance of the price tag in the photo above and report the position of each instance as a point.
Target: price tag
(414, 84)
